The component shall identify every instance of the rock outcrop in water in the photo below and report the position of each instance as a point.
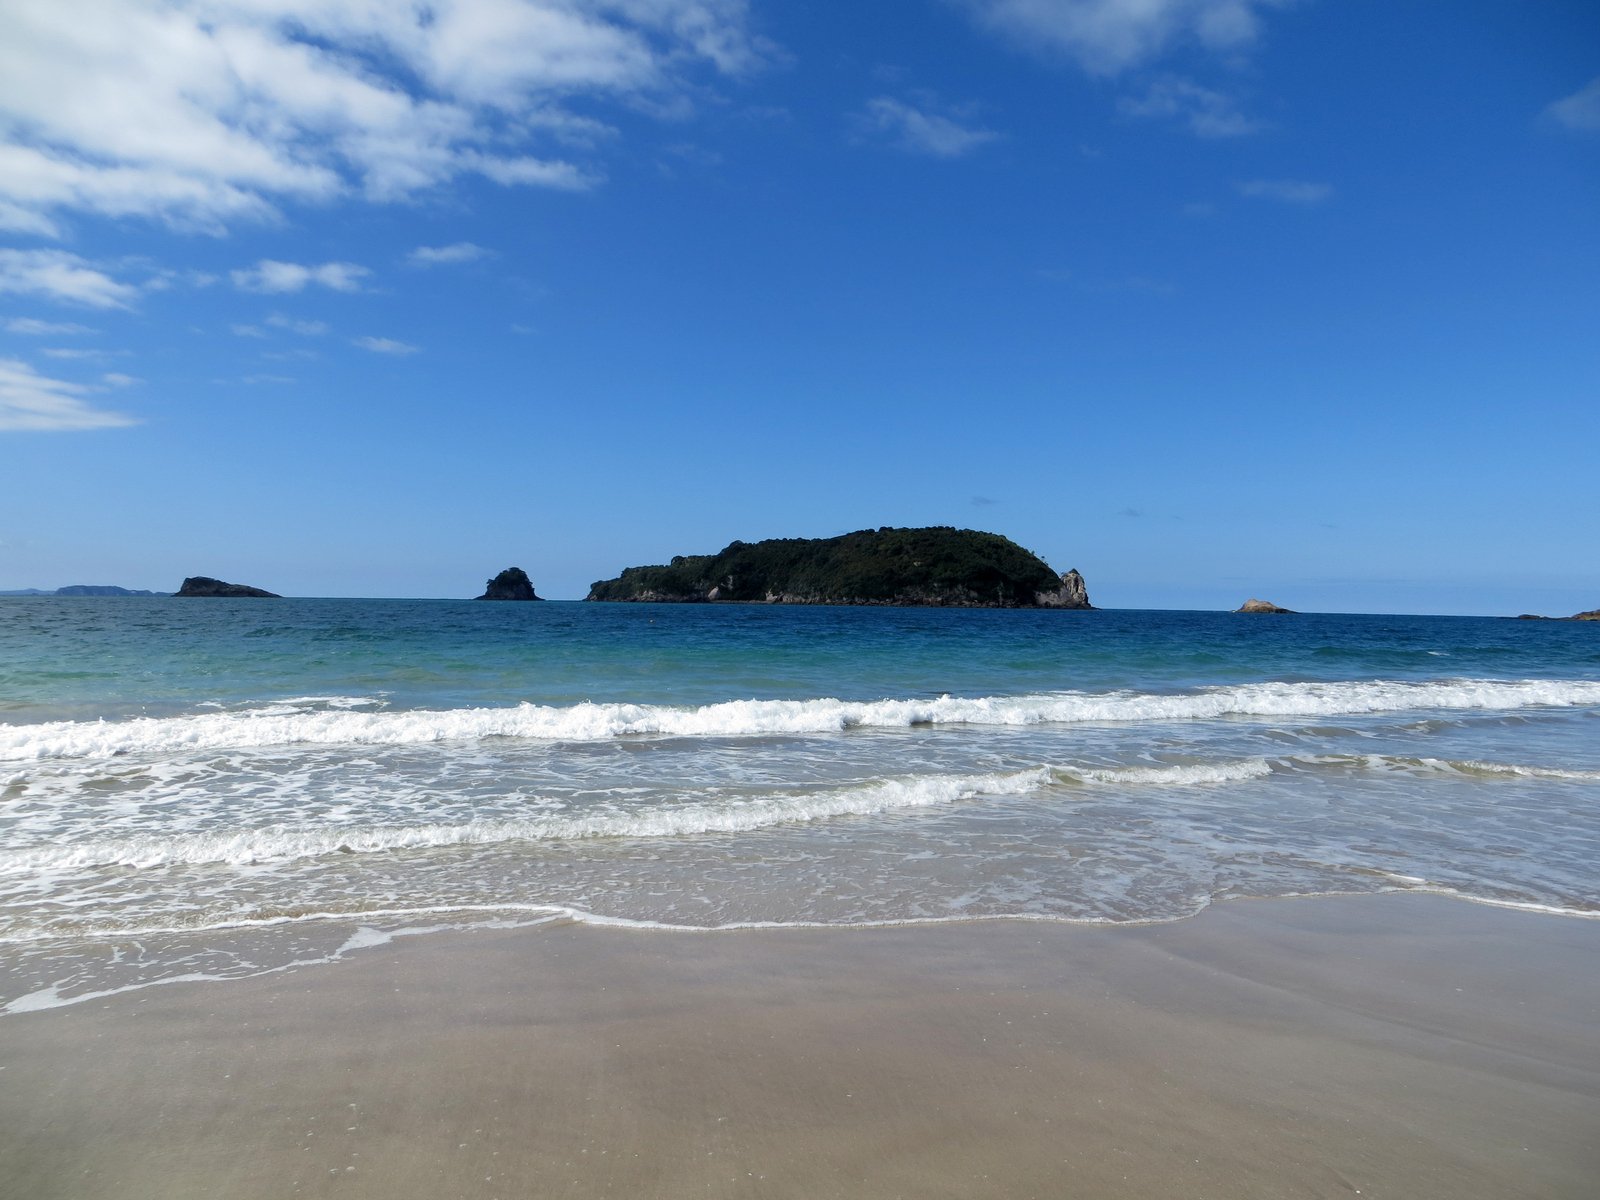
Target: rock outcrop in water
(511, 584)
(204, 585)
(939, 566)
(1071, 594)
(1261, 606)
(1592, 615)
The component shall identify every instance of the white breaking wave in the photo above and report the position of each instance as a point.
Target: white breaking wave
(743, 718)
(279, 843)
(1492, 768)
(1177, 776)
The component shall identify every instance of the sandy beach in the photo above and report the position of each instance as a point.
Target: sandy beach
(1378, 1046)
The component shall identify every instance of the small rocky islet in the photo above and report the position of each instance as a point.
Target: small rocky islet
(204, 585)
(511, 584)
(1262, 606)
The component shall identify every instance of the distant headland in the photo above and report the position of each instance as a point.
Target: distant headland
(938, 566)
(84, 589)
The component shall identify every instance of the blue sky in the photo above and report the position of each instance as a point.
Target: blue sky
(1206, 298)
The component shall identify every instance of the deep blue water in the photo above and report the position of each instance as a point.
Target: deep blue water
(117, 657)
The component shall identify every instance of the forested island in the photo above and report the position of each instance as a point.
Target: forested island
(204, 585)
(511, 584)
(937, 566)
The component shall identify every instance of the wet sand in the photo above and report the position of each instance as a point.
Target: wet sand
(1384, 1046)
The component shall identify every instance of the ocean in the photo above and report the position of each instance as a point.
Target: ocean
(211, 789)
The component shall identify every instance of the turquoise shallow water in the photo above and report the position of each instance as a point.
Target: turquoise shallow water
(212, 788)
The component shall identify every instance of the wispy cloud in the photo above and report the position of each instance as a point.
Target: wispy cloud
(251, 331)
(539, 172)
(1106, 37)
(203, 115)
(1207, 113)
(58, 275)
(295, 325)
(923, 129)
(438, 256)
(31, 327)
(36, 403)
(1286, 191)
(1581, 110)
(271, 276)
(381, 345)
(77, 352)
(118, 379)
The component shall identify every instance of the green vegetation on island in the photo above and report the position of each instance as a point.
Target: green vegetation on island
(204, 585)
(511, 584)
(940, 566)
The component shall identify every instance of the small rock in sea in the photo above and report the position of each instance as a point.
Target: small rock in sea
(1261, 606)
(510, 584)
(1071, 594)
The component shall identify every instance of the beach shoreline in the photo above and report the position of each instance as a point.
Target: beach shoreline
(1385, 1045)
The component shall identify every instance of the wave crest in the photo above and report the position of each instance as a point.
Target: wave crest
(588, 722)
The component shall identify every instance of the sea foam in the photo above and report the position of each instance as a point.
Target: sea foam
(279, 843)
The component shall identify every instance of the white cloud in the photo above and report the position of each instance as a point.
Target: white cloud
(380, 345)
(253, 331)
(57, 275)
(294, 325)
(537, 171)
(1581, 110)
(1207, 113)
(1288, 191)
(200, 113)
(16, 219)
(71, 353)
(34, 402)
(1106, 37)
(457, 252)
(118, 379)
(32, 327)
(269, 275)
(924, 130)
